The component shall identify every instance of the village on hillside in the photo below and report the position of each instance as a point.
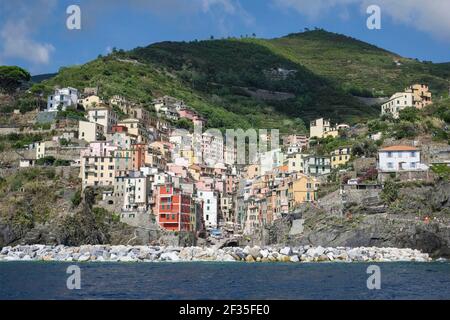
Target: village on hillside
(148, 173)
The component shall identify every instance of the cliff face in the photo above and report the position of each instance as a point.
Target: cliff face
(89, 225)
(403, 224)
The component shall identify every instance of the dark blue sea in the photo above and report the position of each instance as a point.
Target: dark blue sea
(199, 280)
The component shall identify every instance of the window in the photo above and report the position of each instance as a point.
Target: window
(390, 165)
(413, 154)
(389, 154)
(413, 165)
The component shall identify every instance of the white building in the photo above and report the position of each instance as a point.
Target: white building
(417, 96)
(61, 99)
(103, 116)
(295, 162)
(270, 160)
(209, 199)
(133, 190)
(400, 158)
(212, 149)
(322, 128)
(397, 102)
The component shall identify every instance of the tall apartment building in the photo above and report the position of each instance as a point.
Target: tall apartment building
(175, 210)
(101, 162)
(210, 213)
(133, 191)
(212, 149)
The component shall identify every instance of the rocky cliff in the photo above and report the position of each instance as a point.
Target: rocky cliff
(418, 219)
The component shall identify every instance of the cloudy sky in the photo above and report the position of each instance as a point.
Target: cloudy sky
(33, 33)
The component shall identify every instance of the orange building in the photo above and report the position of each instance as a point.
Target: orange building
(175, 210)
(138, 151)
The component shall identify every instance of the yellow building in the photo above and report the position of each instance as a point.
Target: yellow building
(135, 128)
(421, 95)
(253, 170)
(340, 156)
(90, 102)
(90, 131)
(304, 189)
(189, 156)
(295, 163)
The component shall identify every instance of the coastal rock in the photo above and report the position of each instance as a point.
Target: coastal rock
(173, 253)
(228, 258)
(84, 258)
(264, 253)
(255, 252)
(127, 259)
(287, 251)
(170, 256)
(249, 258)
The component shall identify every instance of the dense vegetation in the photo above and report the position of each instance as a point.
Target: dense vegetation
(325, 69)
(433, 120)
(11, 77)
(360, 68)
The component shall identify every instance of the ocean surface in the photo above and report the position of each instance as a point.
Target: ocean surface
(200, 280)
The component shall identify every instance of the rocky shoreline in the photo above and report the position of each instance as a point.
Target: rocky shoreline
(122, 253)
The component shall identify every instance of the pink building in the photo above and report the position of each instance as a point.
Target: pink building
(178, 170)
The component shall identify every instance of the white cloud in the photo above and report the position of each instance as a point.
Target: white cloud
(427, 16)
(17, 43)
(21, 20)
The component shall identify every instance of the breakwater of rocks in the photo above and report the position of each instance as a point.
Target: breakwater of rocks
(124, 253)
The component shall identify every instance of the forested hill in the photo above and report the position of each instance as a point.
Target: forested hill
(277, 83)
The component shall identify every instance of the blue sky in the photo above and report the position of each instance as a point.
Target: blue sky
(33, 33)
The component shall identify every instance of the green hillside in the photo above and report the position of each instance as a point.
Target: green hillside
(228, 81)
(356, 66)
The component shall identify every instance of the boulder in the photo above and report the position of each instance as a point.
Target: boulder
(228, 258)
(84, 258)
(170, 256)
(286, 251)
(255, 252)
(249, 258)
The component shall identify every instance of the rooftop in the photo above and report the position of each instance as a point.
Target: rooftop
(400, 148)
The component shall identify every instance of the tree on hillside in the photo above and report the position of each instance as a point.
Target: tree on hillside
(366, 148)
(410, 114)
(11, 77)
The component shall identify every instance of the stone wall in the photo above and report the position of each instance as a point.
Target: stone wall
(407, 176)
(8, 130)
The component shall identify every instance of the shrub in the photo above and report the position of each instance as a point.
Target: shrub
(390, 192)
(76, 198)
(442, 171)
(409, 114)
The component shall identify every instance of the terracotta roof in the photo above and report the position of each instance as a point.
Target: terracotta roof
(399, 148)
